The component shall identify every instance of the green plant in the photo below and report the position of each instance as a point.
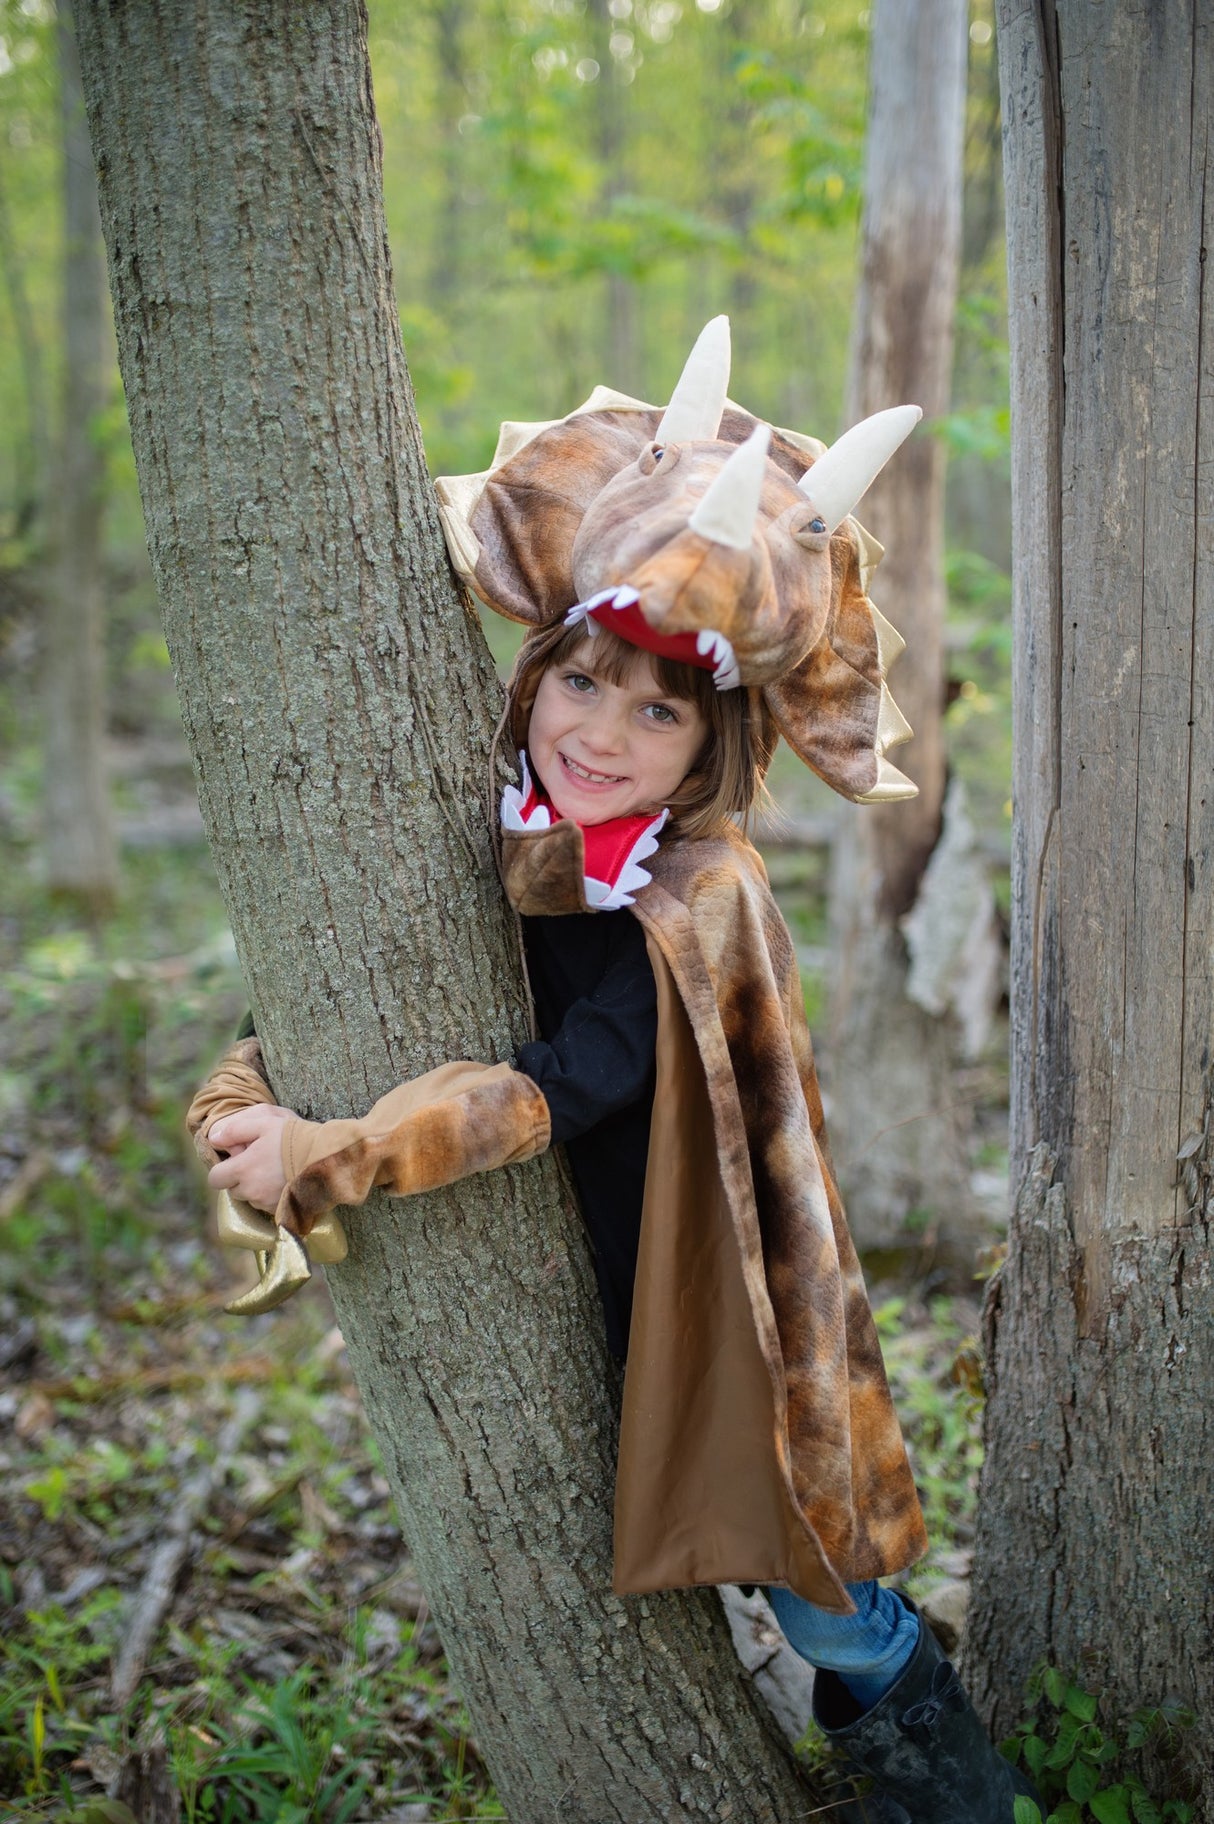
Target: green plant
(938, 1394)
(40, 1664)
(1078, 1763)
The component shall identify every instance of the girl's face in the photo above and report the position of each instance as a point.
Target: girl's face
(604, 750)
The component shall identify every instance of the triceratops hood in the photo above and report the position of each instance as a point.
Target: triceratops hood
(698, 532)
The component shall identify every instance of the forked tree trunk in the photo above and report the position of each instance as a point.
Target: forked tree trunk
(79, 854)
(339, 702)
(1094, 1542)
(895, 1126)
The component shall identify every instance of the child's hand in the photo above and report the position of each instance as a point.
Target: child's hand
(252, 1139)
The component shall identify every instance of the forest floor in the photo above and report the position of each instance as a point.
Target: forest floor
(207, 1611)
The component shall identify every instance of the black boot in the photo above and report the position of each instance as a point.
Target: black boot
(923, 1743)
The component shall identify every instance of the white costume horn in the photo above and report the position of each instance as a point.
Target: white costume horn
(839, 479)
(726, 515)
(696, 404)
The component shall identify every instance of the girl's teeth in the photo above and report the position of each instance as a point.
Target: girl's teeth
(594, 778)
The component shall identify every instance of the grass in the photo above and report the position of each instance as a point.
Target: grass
(296, 1674)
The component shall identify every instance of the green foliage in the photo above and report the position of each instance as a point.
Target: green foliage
(1083, 1767)
(936, 1380)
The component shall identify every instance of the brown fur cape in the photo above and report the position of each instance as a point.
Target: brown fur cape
(758, 1439)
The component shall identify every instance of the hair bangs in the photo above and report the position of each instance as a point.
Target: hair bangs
(726, 778)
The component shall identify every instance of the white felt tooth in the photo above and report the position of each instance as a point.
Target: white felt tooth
(726, 675)
(698, 400)
(727, 513)
(839, 480)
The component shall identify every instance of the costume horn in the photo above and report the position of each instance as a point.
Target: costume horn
(697, 402)
(727, 513)
(838, 481)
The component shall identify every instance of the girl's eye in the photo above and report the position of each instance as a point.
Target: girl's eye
(577, 680)
(661, 712)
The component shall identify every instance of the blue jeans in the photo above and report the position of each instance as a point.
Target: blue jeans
(869, 1650)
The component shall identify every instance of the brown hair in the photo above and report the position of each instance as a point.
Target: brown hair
(726, 779)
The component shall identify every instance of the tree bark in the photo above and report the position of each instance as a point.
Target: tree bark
(33, 453)
(611, 145)
(447, 259)
(1102, 1365)
(896, 1126)
(339, 701)
(79, 853)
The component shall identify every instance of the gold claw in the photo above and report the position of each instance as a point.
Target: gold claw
(282, 1260)
(284, 1269)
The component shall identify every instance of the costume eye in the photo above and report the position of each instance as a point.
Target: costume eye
(655, 453)
(808, 528)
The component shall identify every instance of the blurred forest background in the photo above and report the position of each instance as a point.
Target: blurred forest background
(573, 187)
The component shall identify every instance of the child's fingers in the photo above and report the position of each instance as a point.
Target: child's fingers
(255, 1176)
(226, 1176)
(246, 1125)
(251, 1138)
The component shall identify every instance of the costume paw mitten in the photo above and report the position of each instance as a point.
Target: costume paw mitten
(239, 1080)
(458, 1119)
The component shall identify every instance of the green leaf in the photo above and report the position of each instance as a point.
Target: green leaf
(1111, 1806)
(1146, 1811)
(1081, 1703)
(1034, 1754)
(1055, 1687)
(1066, 1813)
(1082, 1780)
(1063, 1751)
(1024, 1811)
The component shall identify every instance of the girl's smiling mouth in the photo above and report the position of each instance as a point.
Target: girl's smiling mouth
(586, 777)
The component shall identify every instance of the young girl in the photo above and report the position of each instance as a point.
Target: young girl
(713, 610)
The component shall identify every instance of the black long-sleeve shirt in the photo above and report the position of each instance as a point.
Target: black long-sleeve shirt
(596, 1006)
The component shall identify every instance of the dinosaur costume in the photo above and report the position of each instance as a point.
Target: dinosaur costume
(758, 1440)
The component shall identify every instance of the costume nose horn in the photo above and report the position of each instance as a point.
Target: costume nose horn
(728, 511)
(697, 402)
(843, 475)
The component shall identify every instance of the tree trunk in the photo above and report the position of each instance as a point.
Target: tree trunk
(79, 854)
(1093, 1547)
(621, 359)
(339, 700)
(33, 452)
(447, 259)
(897, 1132)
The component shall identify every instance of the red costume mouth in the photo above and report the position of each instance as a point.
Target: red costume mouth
(620, 611)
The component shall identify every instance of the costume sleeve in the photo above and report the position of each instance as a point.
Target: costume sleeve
(238, 1081)
(602, 1058)
(456, 1120)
